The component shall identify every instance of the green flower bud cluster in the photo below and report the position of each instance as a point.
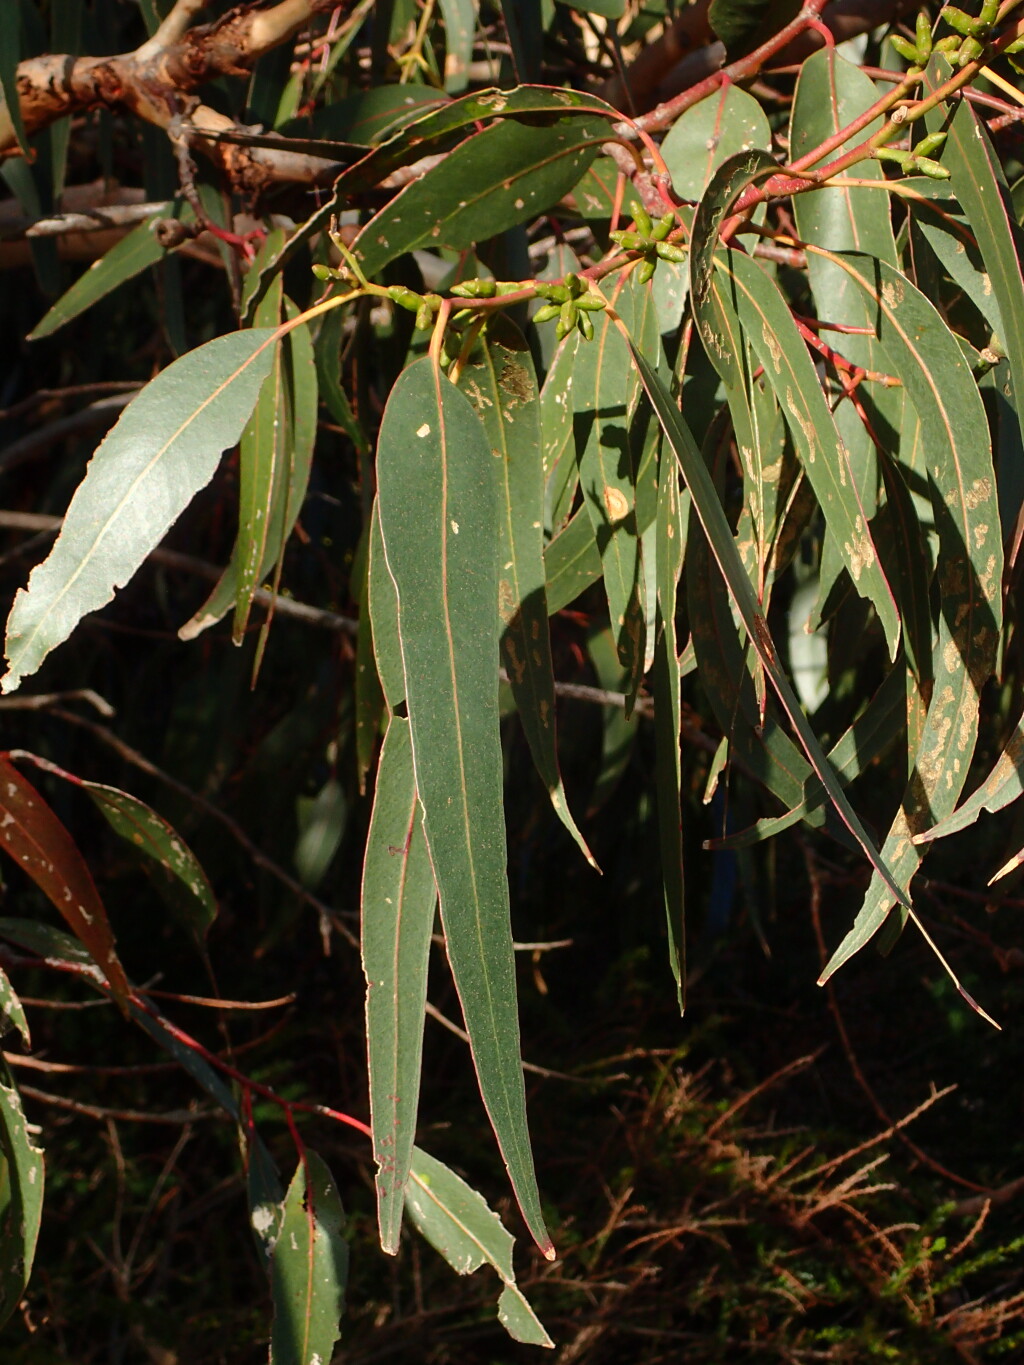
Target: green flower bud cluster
(329, 272)
(425, 306)
(919, 161)
(649, 239)
(571, 303)
(918, 51)
(973, 32)
(486, 289)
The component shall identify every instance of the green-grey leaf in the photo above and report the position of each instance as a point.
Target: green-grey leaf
(438, 501)
(457, 1222)
(925, 355)
(125, 259)
(500, 381)
(708, 133)
(434, 132)
(387, 647)
(12, 1012)
(671, 532)
(21, 1196)
(769, 327)
(308, 1268)
(504, 175)
(275, 457)
(831, 93)
(183, 882)
(164, 448)
(716, 527)
(978, 182)
(1002, 786)
(398, 900)
(606, 394)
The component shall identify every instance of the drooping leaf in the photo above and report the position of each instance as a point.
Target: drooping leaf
(925, 355)
(438, 501)
(398, 900)
(556, 432)
(500, 382)
(387, 647)
(125, 259)
(21, 1196)
(878, 727)
(175, 869)
(1002, 786)
(831, 93)
(42, 847)
(618, 729)
(369, 695)
(504, 175)
(165, 1035)
(180, 876)
(266, 1197)
(716, 527)
(328, 346)
(457, 1222)
(672, 520)
(308, 1268)
(164, 448)
(609, 440)
(768, 325)
(977, 179)
(275, 457)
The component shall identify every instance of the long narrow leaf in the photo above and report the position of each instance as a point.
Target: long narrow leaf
(716, 528)
(398, 900)
(42, 847)
(456, 1221)
(164, 448)
(308, 1268)
(925, 355)
(21, 1196)
(500, 382)
(438, 500)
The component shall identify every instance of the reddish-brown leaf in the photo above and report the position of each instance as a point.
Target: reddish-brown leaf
(42, 847)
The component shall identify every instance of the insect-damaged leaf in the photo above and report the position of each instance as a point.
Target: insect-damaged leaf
(501, 176)
(398, 900)
(42, 847)
(500, 382)
(308, 1268)
(438, 503)
(736, 306)
(456, 1220)
(164, 448)
(922, 351)
(716, 527)
(21, 1196)
(175, 869)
